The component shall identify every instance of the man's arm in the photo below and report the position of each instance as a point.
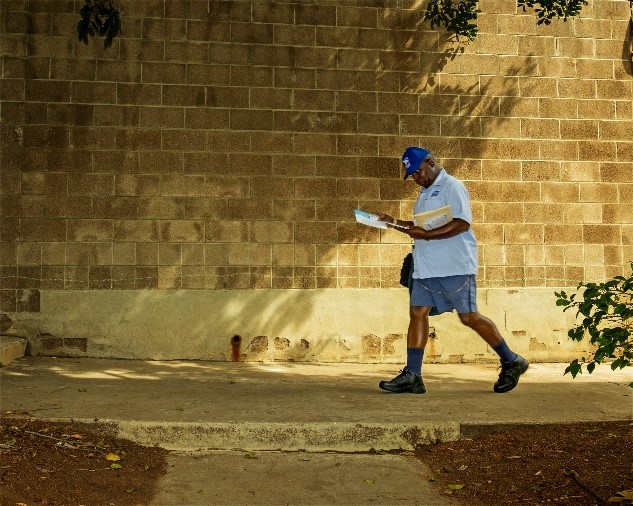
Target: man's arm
(454, 227)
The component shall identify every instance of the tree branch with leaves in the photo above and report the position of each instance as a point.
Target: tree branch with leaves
(460, 17)
(607, 319)
(99, 18)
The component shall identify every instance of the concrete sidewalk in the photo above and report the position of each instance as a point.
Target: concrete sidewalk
(331, 416)
(312, 407)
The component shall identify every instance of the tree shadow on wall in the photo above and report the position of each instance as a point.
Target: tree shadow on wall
(627, 49)
(480, 112)
(469, 105)
(410, 33)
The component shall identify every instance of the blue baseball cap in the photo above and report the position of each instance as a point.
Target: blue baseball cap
(412, 158)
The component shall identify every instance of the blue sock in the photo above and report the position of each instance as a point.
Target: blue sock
(505, 353)
(414, 360)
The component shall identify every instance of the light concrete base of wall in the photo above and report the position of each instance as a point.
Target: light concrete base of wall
(327, 325)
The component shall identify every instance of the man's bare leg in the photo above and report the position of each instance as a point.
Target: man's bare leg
(512, 364)
(418, 333)
(485, 327)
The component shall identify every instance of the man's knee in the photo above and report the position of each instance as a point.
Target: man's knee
(470, 319)
(419, 312)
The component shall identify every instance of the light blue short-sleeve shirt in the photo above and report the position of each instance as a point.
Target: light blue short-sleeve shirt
(452, 256)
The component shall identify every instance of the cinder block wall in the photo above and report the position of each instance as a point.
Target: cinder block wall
(221, 146)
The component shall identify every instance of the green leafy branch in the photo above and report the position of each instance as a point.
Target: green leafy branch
(607, 318)
(99, 18)
(460, 16)
(546, 10)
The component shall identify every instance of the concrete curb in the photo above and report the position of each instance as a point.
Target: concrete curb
(290, 437)
(305, 437)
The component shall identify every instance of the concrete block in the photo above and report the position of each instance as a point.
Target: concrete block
(11, 348)
(5, 322)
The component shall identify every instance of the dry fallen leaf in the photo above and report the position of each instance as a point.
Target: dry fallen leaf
(624, 497)
(112, 457)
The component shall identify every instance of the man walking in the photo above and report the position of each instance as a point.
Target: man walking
(445, 265)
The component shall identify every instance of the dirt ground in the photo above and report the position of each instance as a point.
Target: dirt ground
(582, 465)
(44, 463)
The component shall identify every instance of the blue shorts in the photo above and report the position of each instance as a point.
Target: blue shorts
(446, 294)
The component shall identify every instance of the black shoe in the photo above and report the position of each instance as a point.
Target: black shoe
(510, 372)
(406, 381)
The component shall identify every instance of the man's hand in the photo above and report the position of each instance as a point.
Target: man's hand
(401, 225)
(416, 233)
(385, 217)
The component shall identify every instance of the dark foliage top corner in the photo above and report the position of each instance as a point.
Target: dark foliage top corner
(99, 18)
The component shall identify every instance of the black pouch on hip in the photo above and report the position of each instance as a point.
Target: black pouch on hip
(405, 270)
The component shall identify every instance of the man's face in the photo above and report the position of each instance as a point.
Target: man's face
(426, 174)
